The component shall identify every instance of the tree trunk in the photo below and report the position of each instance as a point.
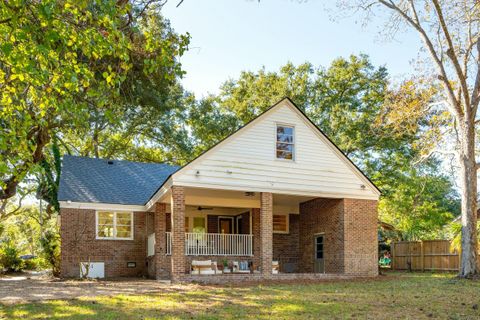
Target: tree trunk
(468, 175)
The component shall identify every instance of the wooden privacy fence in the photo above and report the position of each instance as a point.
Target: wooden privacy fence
(435, 255)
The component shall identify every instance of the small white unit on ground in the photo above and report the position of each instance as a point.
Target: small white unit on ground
(95, 269)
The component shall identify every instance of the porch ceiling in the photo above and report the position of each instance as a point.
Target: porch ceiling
(237, 199)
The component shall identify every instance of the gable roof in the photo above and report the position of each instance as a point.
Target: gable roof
(96, 180)
(302, 115)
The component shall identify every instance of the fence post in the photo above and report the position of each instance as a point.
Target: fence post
(393, 255)
(422, 256)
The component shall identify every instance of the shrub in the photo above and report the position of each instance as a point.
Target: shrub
(10, 259)
(51, 249)
(37, 263)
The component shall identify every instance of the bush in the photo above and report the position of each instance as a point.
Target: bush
(51, 249)
(36, 264)
(10, 258)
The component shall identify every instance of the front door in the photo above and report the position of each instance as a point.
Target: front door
(225, 225)
(319, 259)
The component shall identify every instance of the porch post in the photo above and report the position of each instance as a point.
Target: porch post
(178, 231)
(266, 232)
(160, 241)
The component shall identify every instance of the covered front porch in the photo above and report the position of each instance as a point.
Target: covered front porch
(255, 235)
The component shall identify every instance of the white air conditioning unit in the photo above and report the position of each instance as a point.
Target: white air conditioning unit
(95, 269)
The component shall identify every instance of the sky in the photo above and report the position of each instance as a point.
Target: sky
(230, 36)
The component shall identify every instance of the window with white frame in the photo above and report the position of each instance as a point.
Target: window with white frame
(280, 223)
(285, 143)
(117, 225)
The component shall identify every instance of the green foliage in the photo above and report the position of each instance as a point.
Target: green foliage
(455, 233)
(146, 123)
(35, 264)
(420, 206)
(50, 242)
(25, 228)
(49, 177)
(10, 258)
(88, 55)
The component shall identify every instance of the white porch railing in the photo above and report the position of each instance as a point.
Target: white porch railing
(218, 244)
(215, 244)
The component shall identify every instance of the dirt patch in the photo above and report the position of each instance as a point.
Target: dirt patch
(19, 288)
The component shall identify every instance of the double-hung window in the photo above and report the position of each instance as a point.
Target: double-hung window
(285, 144)
(114, 225)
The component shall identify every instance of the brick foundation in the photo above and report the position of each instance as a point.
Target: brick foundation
(242, 278)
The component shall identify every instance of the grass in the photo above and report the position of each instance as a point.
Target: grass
(397, 295)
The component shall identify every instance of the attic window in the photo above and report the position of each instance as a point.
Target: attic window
(285, 144)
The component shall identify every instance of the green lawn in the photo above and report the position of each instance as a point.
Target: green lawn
(397, 295)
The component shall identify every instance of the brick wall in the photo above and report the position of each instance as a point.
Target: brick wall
(256, 237)
(286, 246)
(77, 230)
(212, 224)
(162, 263)
(245, 222)
(361, 237)
(322, 216)
(350, 228)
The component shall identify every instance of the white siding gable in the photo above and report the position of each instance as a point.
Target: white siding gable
(246, 161)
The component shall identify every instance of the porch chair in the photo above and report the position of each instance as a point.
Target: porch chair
(202, 267)
(215, 267)
(275, 267)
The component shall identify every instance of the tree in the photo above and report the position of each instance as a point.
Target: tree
(147, 124)
(450, 32)
(83, 53)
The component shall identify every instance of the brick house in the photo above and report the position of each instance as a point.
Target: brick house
(276, 190)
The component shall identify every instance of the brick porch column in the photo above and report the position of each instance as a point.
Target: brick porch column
(266, 232)
(178, 231)
(160, 228)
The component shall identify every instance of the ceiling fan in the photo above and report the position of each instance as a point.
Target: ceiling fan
(200, 208)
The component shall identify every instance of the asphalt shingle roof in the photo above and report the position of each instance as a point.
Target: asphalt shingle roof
(110, 181)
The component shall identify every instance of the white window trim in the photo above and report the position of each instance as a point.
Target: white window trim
(114, 225)
(294, 156)
(288, 223)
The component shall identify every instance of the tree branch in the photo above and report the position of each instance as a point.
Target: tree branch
(476, 87)
(415, 23)
(451, 54)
